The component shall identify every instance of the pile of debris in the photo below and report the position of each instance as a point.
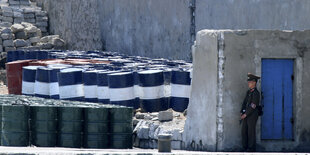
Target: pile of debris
(147, 127)
(26, 36)
(19, 11)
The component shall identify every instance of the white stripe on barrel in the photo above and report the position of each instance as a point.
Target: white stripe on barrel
(29, 78)
(152, 97)
(121, 88)
(71, 84)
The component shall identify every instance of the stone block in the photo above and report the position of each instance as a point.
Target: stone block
(41, 19)
(29, 11)
(26, 24)
(23, 2)
(1, 48)
(143, 132)
(43, 29)
(144, 143)
(45, 45)
(49, 39)
(18, 14)
(17, 28)
(7, 13)
(177, 134)
(29, 16)
(7, 19)
(14, 2)
(165, 116)
(152, 131)
(41, 13)
(18, 20)
(5, 24)
(21, 35)
(31, 29)
(139, 115)
(41, 24)
(34, 39)
(8, 43)
(6, 30)
(6, 49)
(20, 43)
(7, 36)
(30, 20)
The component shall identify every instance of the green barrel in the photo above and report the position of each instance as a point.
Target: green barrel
(15, 125)
(70, 127)
(121, 127)
(96, 127)
(43, 125)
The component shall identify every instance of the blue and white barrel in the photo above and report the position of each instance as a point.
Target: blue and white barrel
(137, 90)
(90, 86)
(103, 87)
(71, 84)
(29, 79)
(42, 87)
(180, 90)
(121, 89)
(152, 97)
(53, 79)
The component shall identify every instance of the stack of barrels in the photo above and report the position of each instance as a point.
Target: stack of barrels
(27, 120)
(138, 82)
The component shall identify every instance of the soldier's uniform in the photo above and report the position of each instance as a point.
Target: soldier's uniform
(249, 105)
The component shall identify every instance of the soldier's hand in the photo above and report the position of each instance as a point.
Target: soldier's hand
(243, 116)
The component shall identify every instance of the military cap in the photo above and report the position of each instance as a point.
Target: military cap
(252, 77)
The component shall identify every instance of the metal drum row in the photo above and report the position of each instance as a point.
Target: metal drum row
(147, 89)
(50, 123)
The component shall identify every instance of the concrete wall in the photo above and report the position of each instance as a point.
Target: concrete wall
(242, 53)
(154, 28)
(76, 21)
(161, 28)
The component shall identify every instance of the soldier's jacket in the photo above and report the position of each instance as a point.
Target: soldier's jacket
(251, 101)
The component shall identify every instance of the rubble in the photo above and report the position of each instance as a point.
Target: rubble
(148, 128)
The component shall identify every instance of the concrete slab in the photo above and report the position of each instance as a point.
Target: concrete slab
(70, 151)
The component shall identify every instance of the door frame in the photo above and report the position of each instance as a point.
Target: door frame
(293, 99)
(297, 98)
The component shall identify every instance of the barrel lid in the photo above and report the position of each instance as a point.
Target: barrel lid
(120, 73)
(150, 71)
(68, 70)
(165, 136)
(31, 67)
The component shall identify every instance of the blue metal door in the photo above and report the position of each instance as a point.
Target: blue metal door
(277, 98)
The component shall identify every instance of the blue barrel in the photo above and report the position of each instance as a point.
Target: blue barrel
(121, 89)
(136, 89)
(41, 55)
(152, 97)
(180, 90)
(71, 84)
(53, 79)
(103, 94)
(90, 86)
(15, 55)
(29, 78)
(30, 55)
(42, 87)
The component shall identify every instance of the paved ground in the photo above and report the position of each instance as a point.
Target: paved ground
(71, 151)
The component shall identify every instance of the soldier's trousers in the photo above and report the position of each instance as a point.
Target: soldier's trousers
(248, 132)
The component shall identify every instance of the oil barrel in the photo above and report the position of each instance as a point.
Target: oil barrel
(121, 89)
(70, 126)
(152, 97)
(14, 75)
(96, 121)
(103, 94)
(43, 125)
(90, 85)
(180, 90)
(53, 79)
(121, 127)
(42, 86)
(29, 78)
(15, 125)
(30, 55)
(71, 84)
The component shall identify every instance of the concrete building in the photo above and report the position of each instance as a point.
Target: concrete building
(222, 59)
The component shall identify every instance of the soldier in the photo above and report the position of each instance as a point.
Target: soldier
(249, 115)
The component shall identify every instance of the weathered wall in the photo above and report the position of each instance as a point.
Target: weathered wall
(154, 28)
(242, 53)
(200, 128)
(253, 14)
(161, 28)
(76, 21)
